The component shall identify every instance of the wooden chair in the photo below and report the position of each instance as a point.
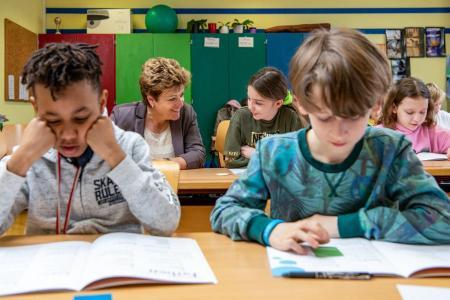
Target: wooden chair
(18, 227)
(221, 135)
(194, 218)
(171, 170)
(12, 134)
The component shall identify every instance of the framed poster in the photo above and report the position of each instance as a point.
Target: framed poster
(414, 41)
(400, 69)
(435, 41)
(394, 43)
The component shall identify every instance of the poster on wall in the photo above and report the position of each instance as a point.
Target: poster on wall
(400, 69)
(435, 41)
(394, 43)
(414, 41)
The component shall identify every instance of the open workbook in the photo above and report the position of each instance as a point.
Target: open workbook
(112, 259)
(431, 156)
(359, 255)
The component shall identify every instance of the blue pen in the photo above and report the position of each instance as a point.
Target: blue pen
(328, 275)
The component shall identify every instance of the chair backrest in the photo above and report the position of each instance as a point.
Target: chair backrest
(12, 134)
(221, 135)
(171, 170)
(19, 225)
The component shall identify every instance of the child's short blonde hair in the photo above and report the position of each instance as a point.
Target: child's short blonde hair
(159, 74)
(351, 72)
(436, 94)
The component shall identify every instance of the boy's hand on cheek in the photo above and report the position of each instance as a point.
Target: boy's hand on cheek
(327, 222)
(448, 154)
(100, 137)
(288, 236)
(37, 139)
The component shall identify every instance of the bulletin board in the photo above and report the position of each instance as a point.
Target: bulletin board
(20, 43)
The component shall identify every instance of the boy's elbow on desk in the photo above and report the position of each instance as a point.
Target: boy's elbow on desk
(163, 227)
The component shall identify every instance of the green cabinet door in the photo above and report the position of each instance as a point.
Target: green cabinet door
(247, 56)
(210, 80)
(178, 47)
(132, 50)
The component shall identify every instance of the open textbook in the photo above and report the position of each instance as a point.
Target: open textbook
(431, 156)
(112, 259)
(359, 255)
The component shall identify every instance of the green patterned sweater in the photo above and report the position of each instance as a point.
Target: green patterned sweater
(379, 192)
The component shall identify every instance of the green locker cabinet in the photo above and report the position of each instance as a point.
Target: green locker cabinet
(176, 46)
(221, 72)
(210, 80)
(132, 50)
(247, 56)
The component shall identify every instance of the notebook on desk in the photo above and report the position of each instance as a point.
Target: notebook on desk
(359, 255)
(431, 156)
(238, 171)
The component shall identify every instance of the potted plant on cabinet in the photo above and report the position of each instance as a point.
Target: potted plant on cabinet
(248, 24)
(239, 27)
(196, 26)
(224, 27)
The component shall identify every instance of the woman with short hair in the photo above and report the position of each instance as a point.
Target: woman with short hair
(168, 125)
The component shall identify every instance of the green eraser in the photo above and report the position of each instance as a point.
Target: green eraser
(327, 252)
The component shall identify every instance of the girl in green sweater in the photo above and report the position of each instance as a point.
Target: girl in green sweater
(265, 115)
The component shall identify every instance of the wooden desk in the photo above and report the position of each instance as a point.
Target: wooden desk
(437, 168)
(205, 181)
(197, 181)
(440, 170)
(243, 273)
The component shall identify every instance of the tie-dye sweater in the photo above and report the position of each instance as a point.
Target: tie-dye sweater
(379, 192)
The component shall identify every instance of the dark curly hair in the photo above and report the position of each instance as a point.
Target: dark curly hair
(59, 65)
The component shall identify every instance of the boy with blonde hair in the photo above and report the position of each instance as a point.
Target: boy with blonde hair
(338, 178)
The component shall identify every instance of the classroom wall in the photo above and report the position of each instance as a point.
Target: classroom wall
(372, 17)
(29, 14)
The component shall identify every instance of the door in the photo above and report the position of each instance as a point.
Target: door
(210, 80)
(247, 56)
